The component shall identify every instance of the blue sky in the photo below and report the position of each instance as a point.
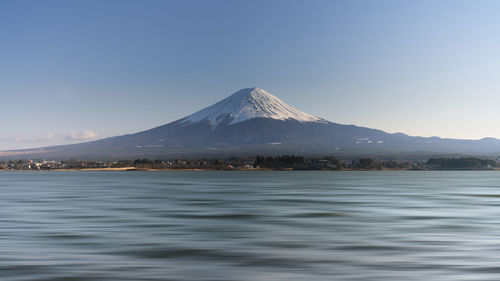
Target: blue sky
(78, 70)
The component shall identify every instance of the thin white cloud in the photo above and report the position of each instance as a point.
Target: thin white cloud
(39, 138)
(48, 136)
(21, 141)
(83, 135)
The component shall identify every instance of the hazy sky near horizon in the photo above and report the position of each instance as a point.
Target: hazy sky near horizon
(79, 70)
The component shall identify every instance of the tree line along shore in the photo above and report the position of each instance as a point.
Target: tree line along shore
(284, 162)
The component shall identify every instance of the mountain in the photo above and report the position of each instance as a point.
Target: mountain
(247, 104)
(253, 121)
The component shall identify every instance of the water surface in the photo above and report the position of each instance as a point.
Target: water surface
(249, 226)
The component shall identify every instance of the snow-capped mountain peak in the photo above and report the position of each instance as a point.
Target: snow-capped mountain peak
(247, 104)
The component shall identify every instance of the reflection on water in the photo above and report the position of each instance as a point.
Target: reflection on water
(250, 226)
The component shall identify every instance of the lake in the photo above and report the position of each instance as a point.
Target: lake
(250, 225)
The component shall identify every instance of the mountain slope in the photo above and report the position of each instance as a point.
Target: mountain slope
(250, 122)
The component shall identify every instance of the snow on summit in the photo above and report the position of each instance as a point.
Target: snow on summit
(247, 104)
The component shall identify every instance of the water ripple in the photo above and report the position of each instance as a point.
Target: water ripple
(250, 226)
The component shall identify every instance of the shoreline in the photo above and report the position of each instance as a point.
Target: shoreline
(134, 169)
